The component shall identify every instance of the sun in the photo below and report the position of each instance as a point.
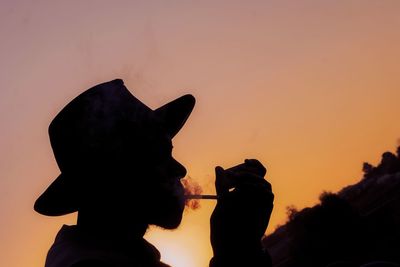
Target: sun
(189, 244)
(175, 249)
(177, 256)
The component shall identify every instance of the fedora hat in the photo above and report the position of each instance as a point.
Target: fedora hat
(94, 123)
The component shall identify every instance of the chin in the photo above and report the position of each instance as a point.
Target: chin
(168, 213)
(170, 223)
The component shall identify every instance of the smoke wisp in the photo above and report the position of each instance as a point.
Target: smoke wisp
(191, 188)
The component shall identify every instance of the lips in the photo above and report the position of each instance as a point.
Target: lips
(172, 189)
(179, 192)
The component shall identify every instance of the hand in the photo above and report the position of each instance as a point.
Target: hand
(241, 216)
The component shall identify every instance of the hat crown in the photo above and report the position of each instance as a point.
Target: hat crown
(93, 120)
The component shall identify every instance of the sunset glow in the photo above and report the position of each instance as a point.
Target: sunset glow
(310, 88)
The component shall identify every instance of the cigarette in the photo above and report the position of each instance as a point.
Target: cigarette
(201, 197)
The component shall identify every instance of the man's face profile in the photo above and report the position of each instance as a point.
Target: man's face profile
(154, 177)
(115, 158)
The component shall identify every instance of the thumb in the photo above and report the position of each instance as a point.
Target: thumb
(221, 184)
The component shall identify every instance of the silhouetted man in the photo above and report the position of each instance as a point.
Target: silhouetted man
(117, 171)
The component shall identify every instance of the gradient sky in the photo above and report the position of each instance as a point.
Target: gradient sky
(310, 88)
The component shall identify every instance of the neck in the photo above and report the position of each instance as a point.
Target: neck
(112, 226)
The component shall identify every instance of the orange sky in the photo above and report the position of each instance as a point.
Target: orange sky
(310, 88)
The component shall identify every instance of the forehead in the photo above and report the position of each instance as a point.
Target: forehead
(159, 140)
(156, 148)
(147, 139)
(155, 136)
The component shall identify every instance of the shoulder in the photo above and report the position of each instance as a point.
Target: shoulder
(91, 263)
(99, 263)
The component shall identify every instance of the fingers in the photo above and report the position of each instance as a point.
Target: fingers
(250, 165)
(248, 188)
(221, 181)
(249, 175)
(256, 166)
(253, 192)
(240, 179)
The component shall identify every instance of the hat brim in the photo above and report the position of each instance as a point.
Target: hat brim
(61, 196)
(175, 113)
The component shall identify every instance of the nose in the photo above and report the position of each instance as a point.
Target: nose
(178, 169)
